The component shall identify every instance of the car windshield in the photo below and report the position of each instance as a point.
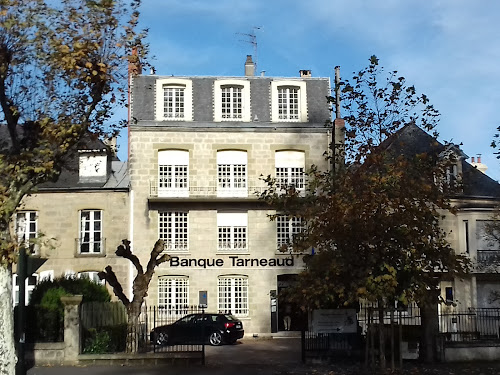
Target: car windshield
(230, 318)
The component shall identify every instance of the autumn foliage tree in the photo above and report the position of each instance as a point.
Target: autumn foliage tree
(374, 220)
(140, 286)
(63, 68)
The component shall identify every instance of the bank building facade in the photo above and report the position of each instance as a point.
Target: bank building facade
(198, 149)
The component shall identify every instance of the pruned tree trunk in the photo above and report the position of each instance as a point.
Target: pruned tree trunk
(133, 328)
(7, 344)
(139, 288)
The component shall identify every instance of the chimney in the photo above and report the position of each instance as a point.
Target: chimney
(111, 143)
(305, 73)
(338, 143)
(134, 64)
(480, 166)
(249, 67)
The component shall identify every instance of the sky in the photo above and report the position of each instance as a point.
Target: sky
(448, 49)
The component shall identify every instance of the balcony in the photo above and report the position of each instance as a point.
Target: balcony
(213, 188)
(209, 188)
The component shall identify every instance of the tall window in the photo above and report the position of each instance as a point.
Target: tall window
(174, 99)
(488, 249)
(173, 175)
(232, 100)
(288, 101)
(91, 240)
(232, 231)
(290, 169)
(232, 174)
(27, 229)
(173, 102)
(286, 229)
(233, 295)
(173, 229)
(173, 294)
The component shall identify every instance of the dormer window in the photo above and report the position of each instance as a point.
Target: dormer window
(174, 99)
(450, 160)
(289, 101)
(232, 100)
(173, 102)
(451, 174)
(93, 166)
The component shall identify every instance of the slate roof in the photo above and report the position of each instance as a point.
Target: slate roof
(69, 177)
(411, 140)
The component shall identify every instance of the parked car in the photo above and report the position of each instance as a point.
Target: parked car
(215, 329)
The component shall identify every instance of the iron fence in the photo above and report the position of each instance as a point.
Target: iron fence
(470, 325)
(331, 345)
(105, 328)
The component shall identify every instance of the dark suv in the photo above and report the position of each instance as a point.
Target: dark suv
(196, 328)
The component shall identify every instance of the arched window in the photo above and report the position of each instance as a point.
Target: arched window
(174, 100)
(173, 294)
(173, 173)
(232, 100)
(232, 174)
(288, 101)
(290, 169)
(233, 295)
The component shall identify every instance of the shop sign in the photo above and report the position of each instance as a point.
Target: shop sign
(234, 261)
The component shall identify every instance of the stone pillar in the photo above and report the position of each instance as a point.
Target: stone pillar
(71, 327)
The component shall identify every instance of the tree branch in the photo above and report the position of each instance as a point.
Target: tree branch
(125, 252)
(110, 276)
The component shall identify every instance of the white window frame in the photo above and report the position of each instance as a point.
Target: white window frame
(30, 229)
(243, 113)
(92, 276)
(232, 180)
(232, 295)
(173, 229)
(286, 229)
(29, 283)
(46, 275)
(289, 169)
(173, 173)
(185, 84)
(232, 231)
(277, 105)
(91, 236)
(173, 294)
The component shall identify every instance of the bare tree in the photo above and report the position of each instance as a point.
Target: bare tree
(139, 287)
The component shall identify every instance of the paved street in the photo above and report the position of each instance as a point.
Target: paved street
(279, 356)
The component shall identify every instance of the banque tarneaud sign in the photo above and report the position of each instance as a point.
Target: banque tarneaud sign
(233, 261)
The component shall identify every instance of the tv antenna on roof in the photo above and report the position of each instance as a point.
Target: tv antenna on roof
(252, 39)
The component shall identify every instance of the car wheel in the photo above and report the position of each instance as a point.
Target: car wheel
(161, 338)
(215, 338)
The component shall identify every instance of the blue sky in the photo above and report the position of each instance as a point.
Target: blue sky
(449, 49)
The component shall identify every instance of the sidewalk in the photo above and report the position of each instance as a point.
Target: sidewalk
(278, 356)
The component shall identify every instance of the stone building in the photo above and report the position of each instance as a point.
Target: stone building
(199, 147)
(74, 225)
(475, 198)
